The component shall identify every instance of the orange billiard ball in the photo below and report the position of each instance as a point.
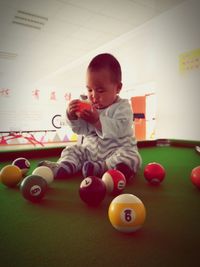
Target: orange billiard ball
(195, 176)
(11, 175)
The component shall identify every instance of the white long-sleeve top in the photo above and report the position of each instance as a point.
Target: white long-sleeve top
(116, 121)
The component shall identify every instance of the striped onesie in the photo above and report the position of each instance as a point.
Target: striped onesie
(114, 144)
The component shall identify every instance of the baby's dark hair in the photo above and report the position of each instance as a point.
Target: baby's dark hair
(109, 62)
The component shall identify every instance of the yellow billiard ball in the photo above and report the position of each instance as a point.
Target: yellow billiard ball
(10, 175)
(127, 213)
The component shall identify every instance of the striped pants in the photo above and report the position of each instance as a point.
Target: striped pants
(104, 151)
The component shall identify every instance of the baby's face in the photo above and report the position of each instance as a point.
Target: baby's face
(102, 91)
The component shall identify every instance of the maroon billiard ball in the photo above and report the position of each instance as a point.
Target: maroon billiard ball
(115, 181)
(195, 176)
(154, 173)
(92, 190)
(23, 164)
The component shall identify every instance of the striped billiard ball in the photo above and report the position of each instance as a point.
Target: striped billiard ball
(115, 181)
(23, 164)
(33, 188)
(127, 213)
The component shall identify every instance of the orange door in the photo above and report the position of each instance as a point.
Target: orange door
(138, 104)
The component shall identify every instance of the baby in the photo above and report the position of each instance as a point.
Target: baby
(106, 127)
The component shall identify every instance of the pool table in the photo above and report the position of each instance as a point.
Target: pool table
(64, 231)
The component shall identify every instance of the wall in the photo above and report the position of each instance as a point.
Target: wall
(150, 61)
(149, 58)
(153, 53)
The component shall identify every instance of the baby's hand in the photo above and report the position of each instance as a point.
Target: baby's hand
(72, 109)
(91, 116)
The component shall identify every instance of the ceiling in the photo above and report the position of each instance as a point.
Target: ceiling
(37, 37)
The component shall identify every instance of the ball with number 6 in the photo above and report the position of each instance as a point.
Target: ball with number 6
(127, 213)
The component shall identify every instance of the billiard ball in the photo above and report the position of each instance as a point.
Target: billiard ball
(195, 176)
(45, 172)
(154, 173)
(197, 148)
(84, 105)
(23, 164)
(115, 181)
(127, 213)
(11, 175)
(92, 190)
(33, 188)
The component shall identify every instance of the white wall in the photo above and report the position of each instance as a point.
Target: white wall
(150, 56)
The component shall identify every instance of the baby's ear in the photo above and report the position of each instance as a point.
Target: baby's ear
(119, 87)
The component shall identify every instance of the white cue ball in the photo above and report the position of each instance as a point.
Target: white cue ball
(44, 172)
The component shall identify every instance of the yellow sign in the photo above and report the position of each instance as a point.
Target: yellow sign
(189, 61)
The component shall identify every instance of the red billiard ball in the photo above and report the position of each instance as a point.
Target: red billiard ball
(92, 190)
(115, 181)
(195, 176)
(154, 173)
(33, 188)
(84, 105)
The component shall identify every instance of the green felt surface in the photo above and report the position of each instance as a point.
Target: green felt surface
(63, 231)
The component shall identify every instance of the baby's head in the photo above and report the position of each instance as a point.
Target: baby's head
(103, 80)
